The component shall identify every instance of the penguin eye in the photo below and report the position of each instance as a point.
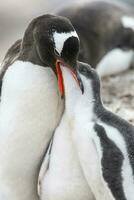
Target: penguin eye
(56, 52)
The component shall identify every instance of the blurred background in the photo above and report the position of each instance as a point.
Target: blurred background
(15, 16)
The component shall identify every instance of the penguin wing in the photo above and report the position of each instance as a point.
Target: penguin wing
(111, 162)
(44, 166)
(10, 57)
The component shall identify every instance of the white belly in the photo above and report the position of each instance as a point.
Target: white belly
(114, 62)
(29, 112)
(64, 179)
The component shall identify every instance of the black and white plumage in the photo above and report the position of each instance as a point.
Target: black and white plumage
(106, 34)
(104, 142)
(31, 105)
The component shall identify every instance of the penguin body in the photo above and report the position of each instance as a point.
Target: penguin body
(63, 178)
(103, 141)
(25, 127)
(31, 104)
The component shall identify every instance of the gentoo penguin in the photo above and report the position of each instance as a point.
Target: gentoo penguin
(31, 105)
(103, 141)
(106, 32)
(61, 176)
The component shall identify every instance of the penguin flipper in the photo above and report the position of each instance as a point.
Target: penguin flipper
(44, 166)
(11, 54)
(111, 162)
(9, 58)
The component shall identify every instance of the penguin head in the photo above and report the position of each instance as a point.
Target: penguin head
(52, 40)
(89, 81)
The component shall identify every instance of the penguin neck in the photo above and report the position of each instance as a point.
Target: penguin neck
(92, 89)
(29, 53)
(28, 49)
(91, 99)
(72, 91)
(34, 52)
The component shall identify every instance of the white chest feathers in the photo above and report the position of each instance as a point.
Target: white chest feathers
(64, 179)
(29, 112)
(128, 22)
(115, 62)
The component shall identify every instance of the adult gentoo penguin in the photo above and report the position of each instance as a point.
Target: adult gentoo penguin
(31, 105)
(104, 142)
(61, 176)
(106, 32)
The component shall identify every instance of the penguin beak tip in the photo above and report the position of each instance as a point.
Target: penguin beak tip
(60, 76)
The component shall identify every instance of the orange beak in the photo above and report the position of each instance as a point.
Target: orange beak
(60, 77)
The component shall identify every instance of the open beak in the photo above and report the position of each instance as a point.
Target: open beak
(60, 77)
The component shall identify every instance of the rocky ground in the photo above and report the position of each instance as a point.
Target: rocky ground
(118, 94)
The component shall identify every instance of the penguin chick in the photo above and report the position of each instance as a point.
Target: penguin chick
(104, 142)
(61, 176)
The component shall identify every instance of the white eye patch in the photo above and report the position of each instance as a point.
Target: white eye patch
(128, 22)
(60, 38)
